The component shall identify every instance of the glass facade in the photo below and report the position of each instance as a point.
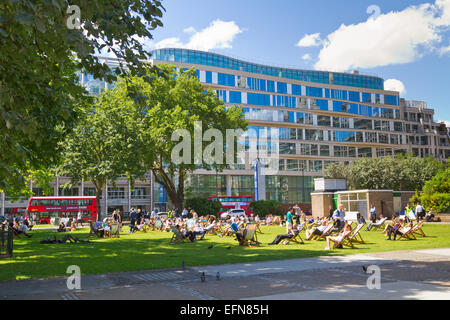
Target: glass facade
(220, 61)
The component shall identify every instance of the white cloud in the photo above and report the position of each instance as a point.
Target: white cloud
(310, 40)
(444, 50)
(391, 38)
(395, 85)
(218, 35)
(444, 7)
(169, 43)
(306, 57)
(189, 30)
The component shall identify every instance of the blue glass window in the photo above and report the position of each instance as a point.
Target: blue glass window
(235, 97)
(270, 86)
(323, 104)
(208, 77)
(281, 87)
(314, 92)
(353, 96)
(296, 89)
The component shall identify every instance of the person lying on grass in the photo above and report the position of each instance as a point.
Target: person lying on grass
(67, 237)
(345, 231)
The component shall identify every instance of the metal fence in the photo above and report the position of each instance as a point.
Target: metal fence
(6, 242)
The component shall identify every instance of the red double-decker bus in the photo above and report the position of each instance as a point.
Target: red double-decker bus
(234, 202)
(45, 208)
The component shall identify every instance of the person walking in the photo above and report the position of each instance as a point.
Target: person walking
(289, 220)
(373, 213)
(339, 217)
(420, 212)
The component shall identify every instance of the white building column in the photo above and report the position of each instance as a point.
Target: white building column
(228, 184)
(82, 188)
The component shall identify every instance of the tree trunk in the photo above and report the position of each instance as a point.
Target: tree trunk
(98, 195)
(176, 196)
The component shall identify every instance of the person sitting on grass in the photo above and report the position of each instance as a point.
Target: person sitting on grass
(345, 231)
(430, 216)
(26, 222)
(107, 229)
(19, 229)
(62, 227)
(269, 220)
(292, 233)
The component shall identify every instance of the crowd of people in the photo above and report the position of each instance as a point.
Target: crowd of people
(193, 227)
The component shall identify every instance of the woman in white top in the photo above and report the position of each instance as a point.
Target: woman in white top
(341, 236)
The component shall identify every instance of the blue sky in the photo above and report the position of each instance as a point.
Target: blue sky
(408, 41)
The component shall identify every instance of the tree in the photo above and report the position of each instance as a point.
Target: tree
(203, 206)
(103, 146)
(40, 51)
(436, 193)
(170, 109)
(393, 173)
(263, 208)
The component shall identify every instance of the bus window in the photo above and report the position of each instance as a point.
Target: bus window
(54, 202)
(89, 202)
(35, 203)
(65, 202)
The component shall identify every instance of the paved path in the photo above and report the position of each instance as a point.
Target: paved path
(422, 274)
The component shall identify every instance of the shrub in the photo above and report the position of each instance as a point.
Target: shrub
(203, 206)
(263, 208)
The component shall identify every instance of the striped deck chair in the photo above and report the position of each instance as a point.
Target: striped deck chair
(355, 235)
(417, 229)
(298, 238)
(177, 237)
(345, 240)
(324, 234)
(379, 224)
(158, 225)
(250, 237)
(258, 228)
(114, 233)
(406, 233)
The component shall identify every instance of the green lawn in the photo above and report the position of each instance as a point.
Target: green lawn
(145, 251)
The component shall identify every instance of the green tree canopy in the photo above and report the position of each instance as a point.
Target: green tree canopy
(175, 102)
(436, 193)
(399, 173)
(103, 146)
(202, 206)
(39, 56)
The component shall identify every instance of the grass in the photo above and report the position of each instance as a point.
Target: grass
(145, 251)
